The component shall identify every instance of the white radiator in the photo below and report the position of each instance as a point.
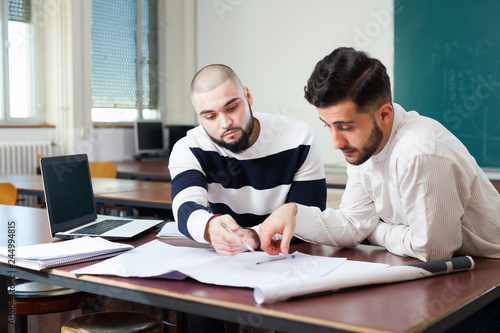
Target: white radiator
(20, 157)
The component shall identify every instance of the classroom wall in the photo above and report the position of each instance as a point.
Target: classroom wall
(274, 45)
(15, 134)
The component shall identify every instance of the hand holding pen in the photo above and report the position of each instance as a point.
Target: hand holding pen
(245, 244)
(227, 238)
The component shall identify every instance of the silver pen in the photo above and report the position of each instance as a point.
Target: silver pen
(276, 259)
(245, 244)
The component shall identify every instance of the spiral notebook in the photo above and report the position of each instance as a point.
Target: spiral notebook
(48, 255)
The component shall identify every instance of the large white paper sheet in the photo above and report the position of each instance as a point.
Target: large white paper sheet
(273, 281)
(157, 259)
(355, 273)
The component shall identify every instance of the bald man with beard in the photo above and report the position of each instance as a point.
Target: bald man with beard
(237, 167)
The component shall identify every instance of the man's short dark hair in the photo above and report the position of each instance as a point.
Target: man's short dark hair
(348, 75)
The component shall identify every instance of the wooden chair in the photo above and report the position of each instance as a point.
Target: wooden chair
(36, 298)
(97, 169)
(114, 321)
(103, 169)
(40, 204)
(38, 157)
(106, 169)
(8, 194)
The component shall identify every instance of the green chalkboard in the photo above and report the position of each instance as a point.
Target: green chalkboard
(447, 67)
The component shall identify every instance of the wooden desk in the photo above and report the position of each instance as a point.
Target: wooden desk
(428, 305)
(156, 198)
(143, 170)
(158, 170)
(127, 192)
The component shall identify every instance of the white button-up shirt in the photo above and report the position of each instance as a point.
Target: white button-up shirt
(422, 196)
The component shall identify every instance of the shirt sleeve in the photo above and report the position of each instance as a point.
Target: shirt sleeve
(433, 203)
(189, 192)
(309, 184)
(347, 226)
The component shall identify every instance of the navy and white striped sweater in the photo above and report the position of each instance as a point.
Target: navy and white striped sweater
(283, 165)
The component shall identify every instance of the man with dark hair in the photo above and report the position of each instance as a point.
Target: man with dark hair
(412, 186)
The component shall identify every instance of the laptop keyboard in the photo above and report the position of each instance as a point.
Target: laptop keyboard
(101, 227)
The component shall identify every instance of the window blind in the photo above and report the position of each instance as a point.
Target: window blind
(150, 53)
(20, 10)
(114, 65)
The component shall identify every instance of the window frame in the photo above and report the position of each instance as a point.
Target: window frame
(36, 102)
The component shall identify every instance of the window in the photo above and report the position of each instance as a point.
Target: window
(124, 60)
(17, 93)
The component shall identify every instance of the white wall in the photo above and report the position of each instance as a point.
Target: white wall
(273, 45)
(32, 134)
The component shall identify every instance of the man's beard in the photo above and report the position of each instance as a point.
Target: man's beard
(241, 144)
(370, 147)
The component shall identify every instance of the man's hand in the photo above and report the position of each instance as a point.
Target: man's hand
(223, 241)
(282, 222)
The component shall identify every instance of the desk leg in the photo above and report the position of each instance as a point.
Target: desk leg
(3, 304)
(181, 322)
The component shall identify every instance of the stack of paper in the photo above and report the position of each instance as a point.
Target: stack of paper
(170, 230)
(68, 252)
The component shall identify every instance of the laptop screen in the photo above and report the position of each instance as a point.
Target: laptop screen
(68, 191)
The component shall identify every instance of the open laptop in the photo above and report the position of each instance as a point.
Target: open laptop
(71, 206)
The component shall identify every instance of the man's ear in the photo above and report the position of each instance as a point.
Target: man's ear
(248, 96)
(385, 113)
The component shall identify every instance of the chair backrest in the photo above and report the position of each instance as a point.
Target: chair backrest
(38, 168)
(103, 169)
(8, 194)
